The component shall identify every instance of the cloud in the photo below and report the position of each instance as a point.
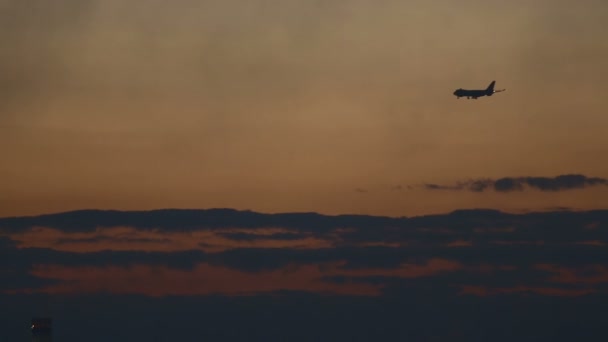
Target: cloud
(253, 237)
(477, 252)
(188, 220)
(547, 291)
(175, 230)
(509, 184)
(102, 239)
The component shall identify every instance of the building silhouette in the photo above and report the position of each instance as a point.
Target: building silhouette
(42, 329)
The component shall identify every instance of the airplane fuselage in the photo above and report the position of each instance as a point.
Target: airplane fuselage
(474, 94)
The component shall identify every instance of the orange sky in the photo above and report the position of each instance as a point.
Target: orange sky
(292, 106)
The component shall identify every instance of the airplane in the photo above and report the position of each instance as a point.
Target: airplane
(477, 92)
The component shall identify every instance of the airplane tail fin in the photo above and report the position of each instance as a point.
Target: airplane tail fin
(490, 88)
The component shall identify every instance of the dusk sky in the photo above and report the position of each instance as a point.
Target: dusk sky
(363, 200)
(292, 105)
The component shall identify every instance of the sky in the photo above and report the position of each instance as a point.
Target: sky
(300, 170)
(298, 105)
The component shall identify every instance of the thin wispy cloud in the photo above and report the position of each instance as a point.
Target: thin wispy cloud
(510, 184)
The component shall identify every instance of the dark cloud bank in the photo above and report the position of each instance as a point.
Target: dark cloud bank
(530, 277)
(508, 184)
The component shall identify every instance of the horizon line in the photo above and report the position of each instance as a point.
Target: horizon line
(516, 212)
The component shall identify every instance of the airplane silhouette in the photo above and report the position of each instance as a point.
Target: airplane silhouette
(477, 92)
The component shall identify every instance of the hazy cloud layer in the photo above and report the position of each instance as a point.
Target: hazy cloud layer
(447, 270)
(551, 253)
(508, 184)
